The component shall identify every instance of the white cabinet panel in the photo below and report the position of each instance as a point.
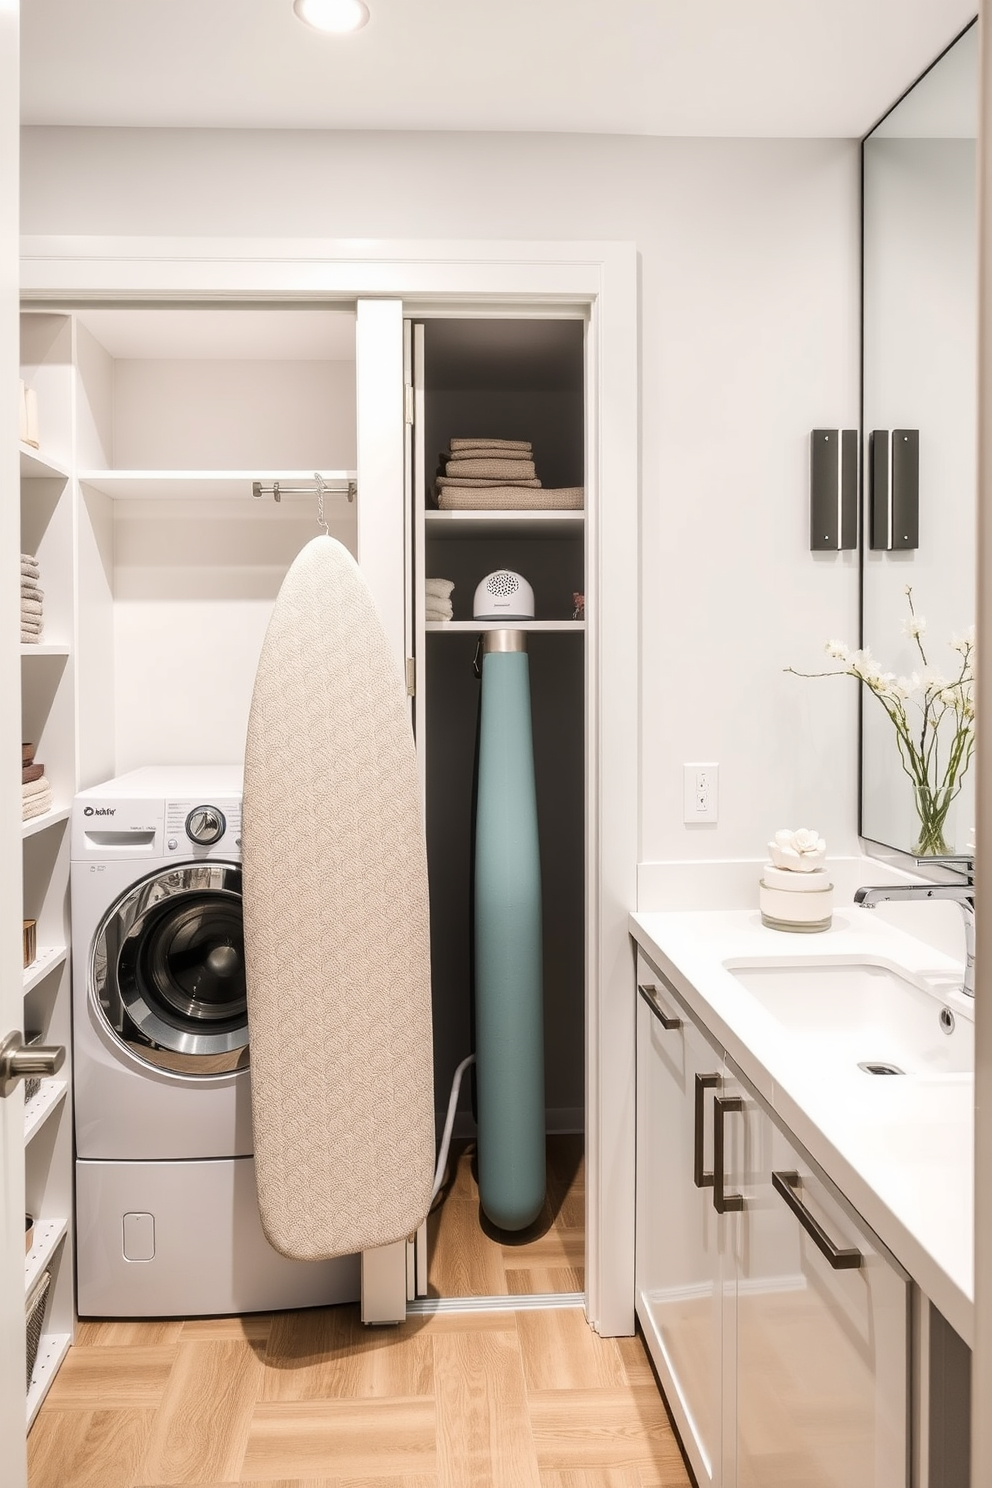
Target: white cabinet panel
(679, 1233)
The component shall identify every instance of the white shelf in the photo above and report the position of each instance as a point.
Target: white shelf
(453, 524)
(43, 822)
(43, 648)
(36, 466)
(478, 626)
(46, 960)
(48, 1236)
(40, 1106)
(144, 485)
(51, 1351)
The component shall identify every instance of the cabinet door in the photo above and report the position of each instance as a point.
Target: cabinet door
(822, 1330)
(679, 1265)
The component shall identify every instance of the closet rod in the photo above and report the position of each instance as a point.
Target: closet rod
(318, 487)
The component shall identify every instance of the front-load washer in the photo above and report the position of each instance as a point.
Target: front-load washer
(167, 1217)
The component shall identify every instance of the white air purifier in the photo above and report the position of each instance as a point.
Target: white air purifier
(503, 595)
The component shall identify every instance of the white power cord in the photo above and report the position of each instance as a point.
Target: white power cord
(449, 1121)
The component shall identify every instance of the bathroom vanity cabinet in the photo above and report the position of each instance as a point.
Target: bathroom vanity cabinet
(777, 1321)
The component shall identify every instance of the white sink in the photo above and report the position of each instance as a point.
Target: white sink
(864, 1013)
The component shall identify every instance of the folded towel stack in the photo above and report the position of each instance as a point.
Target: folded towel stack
(32, 599)
(36, 790)
(437, 599)
(498, 475)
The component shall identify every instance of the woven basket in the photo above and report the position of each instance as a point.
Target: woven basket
(35, 1319)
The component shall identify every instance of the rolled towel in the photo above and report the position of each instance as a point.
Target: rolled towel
(35, 787)
(30, 773)
(500, 444)
(31, 607)
(440, 588)
(36, 805)
(481, 481)
(499, 469)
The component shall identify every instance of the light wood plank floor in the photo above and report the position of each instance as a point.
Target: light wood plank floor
(469, 1258)
(313, 1400)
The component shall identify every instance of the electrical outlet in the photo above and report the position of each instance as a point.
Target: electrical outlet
(700, 793)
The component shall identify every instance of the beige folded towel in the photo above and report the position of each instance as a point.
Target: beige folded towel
(29, 564)
(481, 480)
(37, 805)
(440, 588)
(501, 444)
(438, 609)
(492, 452)
(35, 787)
(31, 607)
(500, 469)
(512, 498)
(30, 589)
(30, 637)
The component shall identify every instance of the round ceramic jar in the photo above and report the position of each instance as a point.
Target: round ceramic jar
(800, 902)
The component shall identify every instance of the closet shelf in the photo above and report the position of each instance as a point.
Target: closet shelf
(144, 485)
(47, 959)
(481, 625)
(36, 466)
(44, 649)
(48, 1236)
(40, 1106)
(42, 823)
(455, 524)
(51, 1351)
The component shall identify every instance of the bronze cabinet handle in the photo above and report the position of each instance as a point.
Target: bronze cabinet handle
(650, 994)
(723, 1202)
(841, 1258)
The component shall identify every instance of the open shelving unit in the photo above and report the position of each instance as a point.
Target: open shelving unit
(48, 718)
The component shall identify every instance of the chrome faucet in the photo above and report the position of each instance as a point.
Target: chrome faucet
(963, 895)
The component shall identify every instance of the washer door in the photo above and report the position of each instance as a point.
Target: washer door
(168, 970)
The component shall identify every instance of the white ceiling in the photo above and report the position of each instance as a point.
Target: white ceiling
(656, 67)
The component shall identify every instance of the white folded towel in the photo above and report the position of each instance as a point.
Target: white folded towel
(439, 588)
(438, 610)
(37, 805)
(35, 787)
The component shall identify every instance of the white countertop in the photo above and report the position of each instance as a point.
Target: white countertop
(900, 1148)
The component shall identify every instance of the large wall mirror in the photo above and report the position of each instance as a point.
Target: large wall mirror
(919, 352)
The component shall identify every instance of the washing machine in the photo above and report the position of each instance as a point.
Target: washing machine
(167, 1217)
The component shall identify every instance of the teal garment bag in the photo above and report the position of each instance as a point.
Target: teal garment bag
(509, 1012)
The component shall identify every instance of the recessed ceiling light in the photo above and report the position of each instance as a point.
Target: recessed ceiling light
(333, 15)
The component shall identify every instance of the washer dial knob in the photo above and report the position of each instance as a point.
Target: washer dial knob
(205, 825)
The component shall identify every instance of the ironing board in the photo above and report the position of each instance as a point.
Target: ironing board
(336, 924)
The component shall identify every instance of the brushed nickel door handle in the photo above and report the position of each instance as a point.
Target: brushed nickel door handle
(21, 1061)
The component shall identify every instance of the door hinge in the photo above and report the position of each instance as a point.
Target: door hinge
(411, 677)
(407, 403)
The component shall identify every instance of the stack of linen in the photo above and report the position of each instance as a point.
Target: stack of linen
(36, 790)
(437, 599)
(498, 475)
(32, 601)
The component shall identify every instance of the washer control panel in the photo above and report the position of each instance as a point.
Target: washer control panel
(206, 827)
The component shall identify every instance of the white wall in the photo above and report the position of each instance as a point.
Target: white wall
(749, 322)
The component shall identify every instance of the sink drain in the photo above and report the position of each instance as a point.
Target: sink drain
(879, 1067)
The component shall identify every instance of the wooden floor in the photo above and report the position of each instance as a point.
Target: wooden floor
(312, 1399)
(468, 1258)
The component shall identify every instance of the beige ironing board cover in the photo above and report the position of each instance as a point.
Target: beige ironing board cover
(337, 951)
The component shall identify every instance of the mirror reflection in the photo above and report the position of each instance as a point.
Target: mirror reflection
(919, 353)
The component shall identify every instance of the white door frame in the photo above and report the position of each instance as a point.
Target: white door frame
(601, 276)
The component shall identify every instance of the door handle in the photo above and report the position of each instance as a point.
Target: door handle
(840, 1257)
(723, 1202)
(701, 1178)
(21, 1061)
(650, 994)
